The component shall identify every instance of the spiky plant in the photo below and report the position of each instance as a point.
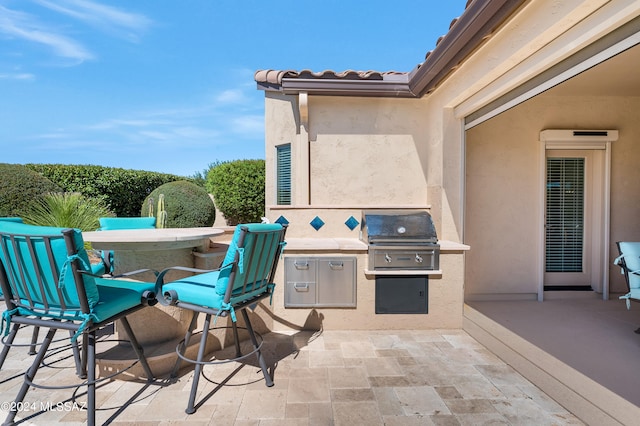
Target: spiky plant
(67, 210)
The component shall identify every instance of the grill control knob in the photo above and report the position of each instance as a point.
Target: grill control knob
(387, 258)
(419, 258)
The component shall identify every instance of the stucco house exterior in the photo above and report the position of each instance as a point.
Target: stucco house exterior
(467, 135)
(521, 105)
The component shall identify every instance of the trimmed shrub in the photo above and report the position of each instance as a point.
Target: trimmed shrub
(186, 204)
(19, 187)
(238, 188)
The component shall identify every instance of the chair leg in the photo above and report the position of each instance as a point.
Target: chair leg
(196, 375)
(263, 365)
(185, 344)
(34, 340)
(137, 348)
(80, 372)
(81, 369)
(236, 339)
(91, 376)
(8, 343)
(29, 375)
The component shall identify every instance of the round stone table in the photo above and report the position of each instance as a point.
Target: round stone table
(159, 328)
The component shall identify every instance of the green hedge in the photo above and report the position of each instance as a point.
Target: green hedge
(238, 190)
(19, 187)
(123, 190)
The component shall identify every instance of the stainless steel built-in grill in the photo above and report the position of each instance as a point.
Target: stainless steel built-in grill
(400, 239)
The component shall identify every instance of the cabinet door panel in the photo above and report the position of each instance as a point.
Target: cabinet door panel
(337, 282)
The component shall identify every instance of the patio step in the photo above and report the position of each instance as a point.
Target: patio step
(582, 396)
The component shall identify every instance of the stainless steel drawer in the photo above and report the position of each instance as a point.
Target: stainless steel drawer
(320, 281)
(299, 294)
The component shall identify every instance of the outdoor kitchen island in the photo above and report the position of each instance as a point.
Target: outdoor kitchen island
(309, 265)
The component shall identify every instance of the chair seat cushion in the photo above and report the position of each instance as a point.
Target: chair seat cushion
(200, 290)
(634, 293)
(631, 253)
(118, 295)
(98, 269)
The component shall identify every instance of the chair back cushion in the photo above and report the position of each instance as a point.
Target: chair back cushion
(37, 267)
(12, 219)
(111, 223)
(254, 247)
(630, 252)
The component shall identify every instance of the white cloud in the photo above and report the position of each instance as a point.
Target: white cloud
(102, 16)
(23, 26)
(231, 96)
(17, 76)
(248, 124)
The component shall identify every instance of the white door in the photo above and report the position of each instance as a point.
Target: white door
(574, 219)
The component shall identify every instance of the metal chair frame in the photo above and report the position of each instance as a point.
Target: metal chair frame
(39, 303)
(235, 288)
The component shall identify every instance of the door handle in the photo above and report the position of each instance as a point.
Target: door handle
(336, 265)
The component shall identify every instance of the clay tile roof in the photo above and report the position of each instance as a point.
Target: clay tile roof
(275, 77)
(438, 62)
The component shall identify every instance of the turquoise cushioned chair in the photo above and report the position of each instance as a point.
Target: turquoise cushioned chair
(47, 282)
(34, 334)
(629, 262)
(115, 223)
(111, 223)
(97, 269)
(245, 277)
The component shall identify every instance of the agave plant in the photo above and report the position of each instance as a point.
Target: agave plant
(67, 210)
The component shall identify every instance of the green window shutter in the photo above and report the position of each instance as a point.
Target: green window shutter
(283, 172)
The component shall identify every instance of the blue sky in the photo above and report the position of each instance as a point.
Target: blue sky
(168, 86)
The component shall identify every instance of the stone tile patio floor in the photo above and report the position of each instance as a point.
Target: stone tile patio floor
(434, 377)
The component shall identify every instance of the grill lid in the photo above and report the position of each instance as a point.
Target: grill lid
(398, 226)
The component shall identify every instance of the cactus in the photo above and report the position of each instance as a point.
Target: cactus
(151, 214)
(161, 218)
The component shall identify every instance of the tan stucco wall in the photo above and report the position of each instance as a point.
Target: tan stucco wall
(366, 151)
(445, 302)
(503, 185)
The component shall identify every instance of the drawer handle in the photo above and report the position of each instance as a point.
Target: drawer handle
(301, 287)
(336, 265)
(304, 265)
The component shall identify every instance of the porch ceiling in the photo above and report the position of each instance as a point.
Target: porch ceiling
(617, 76)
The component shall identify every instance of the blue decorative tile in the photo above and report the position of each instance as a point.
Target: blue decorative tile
(282, 220)
(352, 223)
(317, 223)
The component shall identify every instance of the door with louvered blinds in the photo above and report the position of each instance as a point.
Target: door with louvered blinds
(571, 198)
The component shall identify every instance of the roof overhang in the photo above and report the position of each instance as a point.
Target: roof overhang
(336, 87)
(478, 22)
(480, 19)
